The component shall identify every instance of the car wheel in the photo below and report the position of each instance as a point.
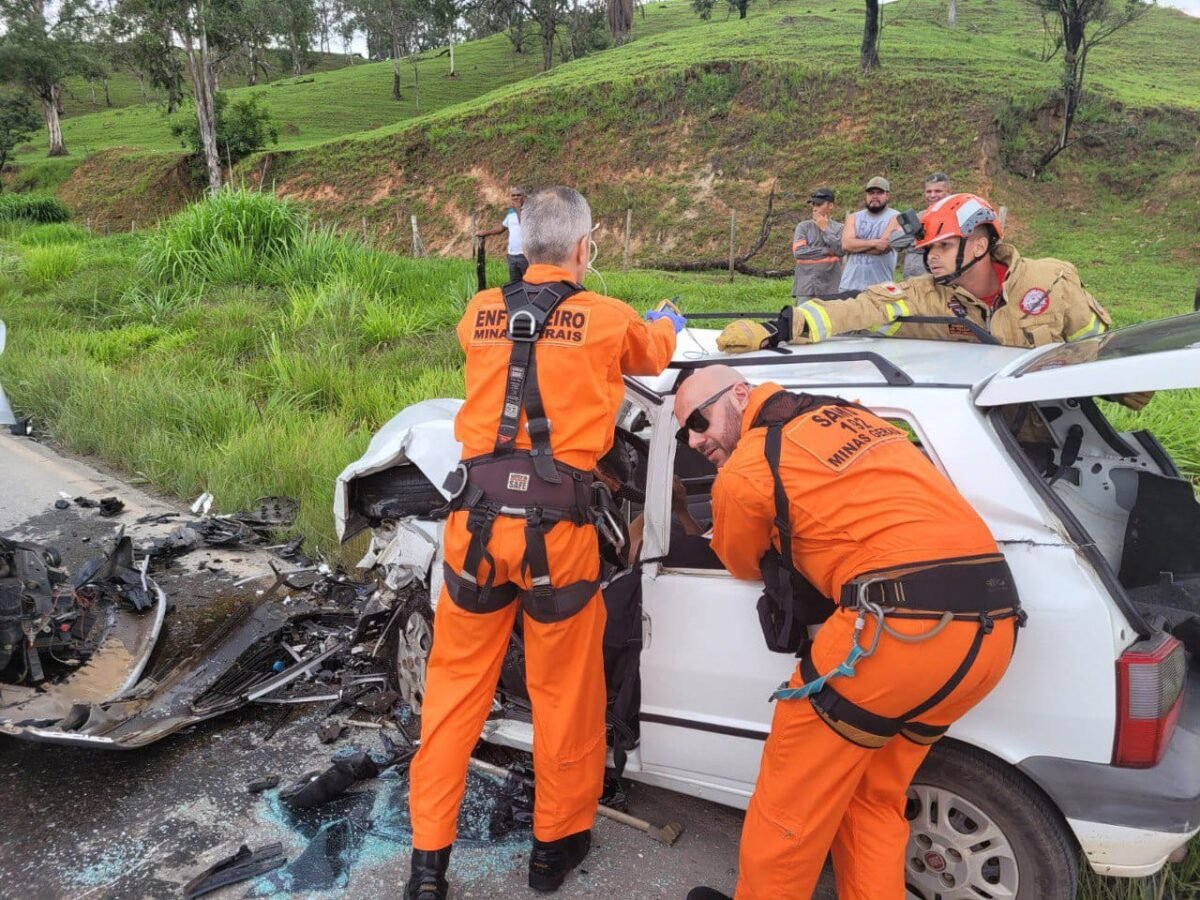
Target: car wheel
(414, 639)
(980, 829)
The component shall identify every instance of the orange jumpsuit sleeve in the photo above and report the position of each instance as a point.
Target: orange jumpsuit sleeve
(743, 519)
(648, 346)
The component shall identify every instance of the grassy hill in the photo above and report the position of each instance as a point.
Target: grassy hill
(82, 97)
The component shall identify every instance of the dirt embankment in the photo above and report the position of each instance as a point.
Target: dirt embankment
(120, 188)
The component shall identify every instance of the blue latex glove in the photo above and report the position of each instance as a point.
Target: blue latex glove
(677, 321)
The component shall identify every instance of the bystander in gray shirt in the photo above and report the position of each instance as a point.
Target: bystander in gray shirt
(861, 270)
(818, 259)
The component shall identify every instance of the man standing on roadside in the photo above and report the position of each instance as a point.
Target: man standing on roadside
(870, 259)
(517, 263)
(544, 365)
(817, 248)
(937, 186)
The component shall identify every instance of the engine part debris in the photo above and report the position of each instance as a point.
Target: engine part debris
(111, 506)
(331, 732)
(348, 768)
(52, 625)
(242, 866)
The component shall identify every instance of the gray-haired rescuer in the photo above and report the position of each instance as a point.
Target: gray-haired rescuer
(817, 249)
(545, 360)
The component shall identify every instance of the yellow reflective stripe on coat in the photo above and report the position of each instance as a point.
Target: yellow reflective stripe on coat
(1091, 329)
(894, 312)
(817, 320)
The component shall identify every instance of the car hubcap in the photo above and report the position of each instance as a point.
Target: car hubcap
(955, 851)
(412, 653)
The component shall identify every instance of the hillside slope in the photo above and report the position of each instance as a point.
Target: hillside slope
(693, 122)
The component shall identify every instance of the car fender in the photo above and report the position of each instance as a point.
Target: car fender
(421, 434)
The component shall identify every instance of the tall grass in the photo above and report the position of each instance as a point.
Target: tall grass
(231, 236)
(33, 208)
(50, 264)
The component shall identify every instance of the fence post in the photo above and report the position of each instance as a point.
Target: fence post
(732, 238)
(132, 225)
(1002, 214)
(418, 249)
(366, 241)
(628, 229)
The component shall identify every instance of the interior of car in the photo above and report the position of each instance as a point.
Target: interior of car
(1123, 489)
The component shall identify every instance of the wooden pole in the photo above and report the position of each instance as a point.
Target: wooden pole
(418, 249)
(132, 225)
(628, 230)
(1002, 214)
(1196, 305)
(732, 238)
(364, 230)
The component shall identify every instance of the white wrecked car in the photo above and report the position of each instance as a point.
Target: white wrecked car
(1092, 740)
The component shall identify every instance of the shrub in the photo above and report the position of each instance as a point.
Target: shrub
(231, 236)
(242, 127)
(35, 208)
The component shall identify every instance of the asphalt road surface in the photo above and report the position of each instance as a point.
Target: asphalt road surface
(82, 823)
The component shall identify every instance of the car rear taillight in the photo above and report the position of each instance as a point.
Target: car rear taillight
(1150, 679)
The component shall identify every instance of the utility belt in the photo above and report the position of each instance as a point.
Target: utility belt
(490, 487)
(976, 589)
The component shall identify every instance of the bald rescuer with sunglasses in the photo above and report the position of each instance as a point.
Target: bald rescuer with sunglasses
(544, 366)
(823, 499)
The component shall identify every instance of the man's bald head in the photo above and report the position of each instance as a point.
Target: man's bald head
(720, 395)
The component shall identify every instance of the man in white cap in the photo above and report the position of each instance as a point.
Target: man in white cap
(870, 259)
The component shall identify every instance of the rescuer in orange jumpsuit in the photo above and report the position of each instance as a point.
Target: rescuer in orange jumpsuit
(875, 526)
(544, 367)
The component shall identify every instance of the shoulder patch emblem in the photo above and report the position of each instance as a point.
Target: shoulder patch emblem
(1035, 302)
(891, 287)
(956, 307)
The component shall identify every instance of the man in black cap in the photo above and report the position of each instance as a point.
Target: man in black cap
(817, 247)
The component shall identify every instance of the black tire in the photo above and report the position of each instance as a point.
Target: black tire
(395, 493)
(1034, 840)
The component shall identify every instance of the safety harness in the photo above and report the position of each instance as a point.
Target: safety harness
(978, 589)
(525, 484)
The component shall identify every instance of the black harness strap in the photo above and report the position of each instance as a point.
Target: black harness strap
(790, 603)
(528, 307)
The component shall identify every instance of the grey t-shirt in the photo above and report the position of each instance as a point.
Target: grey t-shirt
(861, 270)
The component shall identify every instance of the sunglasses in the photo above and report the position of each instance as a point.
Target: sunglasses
(696, 420)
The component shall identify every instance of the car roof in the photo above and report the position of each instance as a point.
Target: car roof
(843, 362)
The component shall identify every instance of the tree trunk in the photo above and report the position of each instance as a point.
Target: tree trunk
(743, 5)
(952, 16)
(868, 58)
(142, 86)
(416, 84)
(395, 64)
(200, 68)
(50, 108)
(453, 74)
(107, 96)
(547, 46)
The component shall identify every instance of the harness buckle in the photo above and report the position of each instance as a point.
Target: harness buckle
(456, 481)
(609, 527)
(523, 326)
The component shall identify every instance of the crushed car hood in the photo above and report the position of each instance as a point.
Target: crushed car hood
(421, 434)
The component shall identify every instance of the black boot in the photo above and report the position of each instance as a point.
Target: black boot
(706, 893)
(427, 881)
(550, 861)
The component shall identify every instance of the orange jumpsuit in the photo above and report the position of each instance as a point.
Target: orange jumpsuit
(588, 343)
(861, 499)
